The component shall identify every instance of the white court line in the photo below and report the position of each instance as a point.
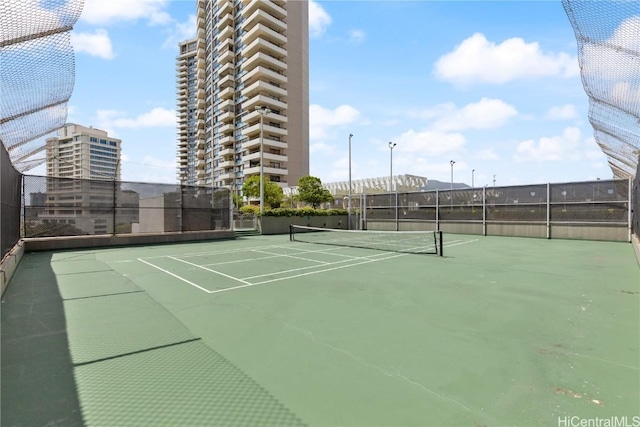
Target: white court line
(312, 266)
(299, 251)
(291, 256)
(460, 243)
(211, 270)
(304, 274)
(174, 275)
(225, 251)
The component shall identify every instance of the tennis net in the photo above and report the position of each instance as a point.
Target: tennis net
(412, 242)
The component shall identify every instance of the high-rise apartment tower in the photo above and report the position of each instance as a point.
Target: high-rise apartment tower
(249, 61)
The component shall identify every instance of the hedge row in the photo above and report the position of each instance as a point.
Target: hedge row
(293, 212)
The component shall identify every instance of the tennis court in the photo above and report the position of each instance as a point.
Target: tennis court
(264, 331)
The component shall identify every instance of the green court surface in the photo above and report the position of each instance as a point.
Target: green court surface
(263, 331)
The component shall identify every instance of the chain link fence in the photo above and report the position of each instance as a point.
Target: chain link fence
(10, 181)
(74, 207)
(589, 203)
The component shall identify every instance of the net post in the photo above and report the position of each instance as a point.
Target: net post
(440, 242)
(291, 232)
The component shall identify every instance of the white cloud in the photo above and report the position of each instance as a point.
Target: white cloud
(105, 12)
(564, 147)
(562, 112)
(97, 43)
(357, 36)
(477, 60)
(321, 147)
(488, 154)
(158, 117)
(626, 96)
(605, 60)
(319, 19)
(429, 142)
(321, 119)
(149, 169)
(484, 114)
(181, 31)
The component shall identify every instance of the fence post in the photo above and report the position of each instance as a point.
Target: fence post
(484, 210)
(548, 210)
(437, 209)
(24, 207)
(397, 218)
(114, 208)
(630, 184)
(231, 225)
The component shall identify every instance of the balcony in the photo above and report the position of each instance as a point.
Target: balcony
(268, 157)
(225, 20)
(267, 170)
(227, 152)
(225, 34)
(255, 144)
(263, 31)
(262, 87)
(226, 176)
(226, 57)
(267, 130)
(225, 129)
(263, 73)
(226, 164)
(263, 101)
(263, 45)
(268, 6)
(226, 93)
(226, 6)
(225, 140)
(226, 116)
(266, 60)
(254, 116)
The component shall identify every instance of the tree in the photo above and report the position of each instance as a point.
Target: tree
(310, 190)
(272, 192)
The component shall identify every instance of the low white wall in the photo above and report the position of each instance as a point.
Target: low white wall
(280, 224)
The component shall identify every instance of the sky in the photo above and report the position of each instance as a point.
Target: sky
(492, 85)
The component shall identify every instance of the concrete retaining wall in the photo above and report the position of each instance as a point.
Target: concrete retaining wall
(76, 242)
(280, 224)
(9, 264)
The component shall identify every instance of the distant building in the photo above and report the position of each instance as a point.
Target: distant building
(85, 153)
(83, 185)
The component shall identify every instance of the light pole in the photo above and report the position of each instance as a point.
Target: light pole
(494, 179)
(391, 147)
(349, 194)
(472, 181)
(262, 111)
(451, 162)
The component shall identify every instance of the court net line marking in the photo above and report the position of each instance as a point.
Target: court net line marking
(246, 284)
(304, 274)
(312, 266)
(174, 275)
(211, 270)
(292, 256)
(327, 251)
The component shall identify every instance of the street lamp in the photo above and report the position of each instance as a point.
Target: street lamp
(472, 182)
(391, 147)
(262, 111)
(494, 179)
(349, 194)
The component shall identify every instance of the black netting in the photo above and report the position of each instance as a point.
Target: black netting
(37, 70)
(635, 194)
(65, 206)
(609, 55)
(10, 181)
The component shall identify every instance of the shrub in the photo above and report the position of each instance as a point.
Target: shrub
(306, 211)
